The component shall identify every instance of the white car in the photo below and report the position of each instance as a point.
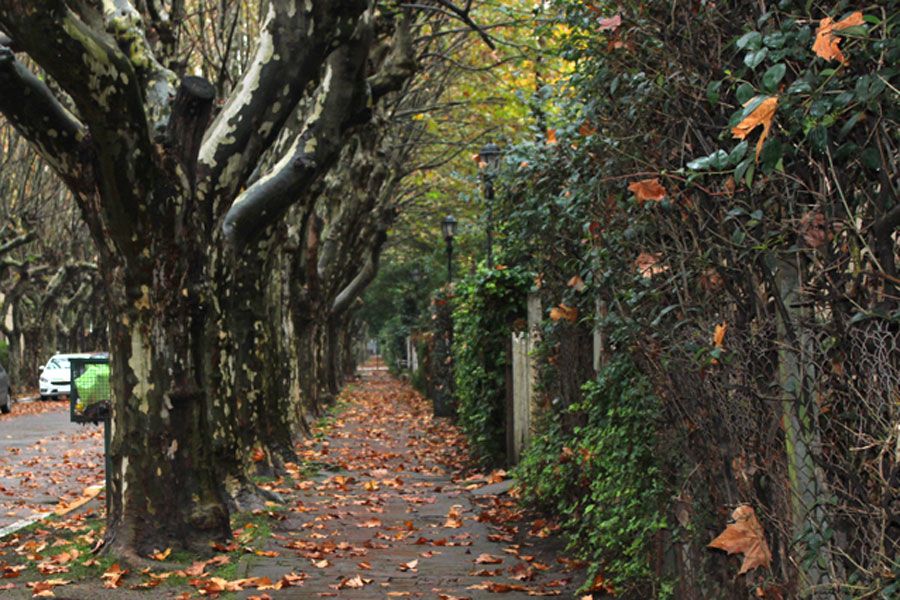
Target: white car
(56, 376)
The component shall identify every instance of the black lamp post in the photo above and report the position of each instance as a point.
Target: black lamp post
(448, 227)
(490, 159)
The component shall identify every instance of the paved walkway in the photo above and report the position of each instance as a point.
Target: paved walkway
(393, 512)
(45, 459)
(392, 520)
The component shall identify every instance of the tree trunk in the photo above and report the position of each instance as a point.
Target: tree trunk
(164, 487)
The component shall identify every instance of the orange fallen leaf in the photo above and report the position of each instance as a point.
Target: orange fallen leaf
(568, 313)
(112, 578)
(745, 536)
(577, 283)
(157, 555)
(409, 566)
(370, 523)
(454, 517)
(354, 583)
(551, 137)
(647, 189)
(647, 264)
(488, 559)
(719, 334)
(827, 45)
(763, 114)
(610, 23)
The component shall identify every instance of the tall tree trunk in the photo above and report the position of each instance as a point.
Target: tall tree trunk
(165, 490)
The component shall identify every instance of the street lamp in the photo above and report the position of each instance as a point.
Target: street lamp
(448, 227)
(490, 159)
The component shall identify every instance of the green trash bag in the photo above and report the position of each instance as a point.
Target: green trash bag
(92, 385)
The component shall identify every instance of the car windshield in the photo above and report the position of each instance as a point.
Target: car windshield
(58, 363)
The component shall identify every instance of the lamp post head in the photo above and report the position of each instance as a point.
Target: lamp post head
(490, 155)
(448, 227)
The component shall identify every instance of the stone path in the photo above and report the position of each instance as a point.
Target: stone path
(392, 520)
(45, 460)
(392, 510)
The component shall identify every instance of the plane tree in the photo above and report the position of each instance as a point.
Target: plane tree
(168, 197)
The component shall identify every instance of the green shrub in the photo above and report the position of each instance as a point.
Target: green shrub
(487, 305)
(603, 479)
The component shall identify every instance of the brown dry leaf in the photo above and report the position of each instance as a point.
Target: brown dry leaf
(610, 23)
(827, 45)
(568, 313)
(763, 115)
(112, 578)
(813, 229)
(647, 189)
(409, 566)
(551, 136)
(497, 476)
(488, 559)
(258, 455)
(354, 583)
(370, 523)
(745, 536)
(719, 334)
(587, 129)
(157, 555)
(454, 517)
(577, 283)
(647, 264)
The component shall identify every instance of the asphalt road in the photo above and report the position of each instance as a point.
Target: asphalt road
(44, 460)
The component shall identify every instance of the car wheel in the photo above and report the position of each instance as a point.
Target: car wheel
(5, 408)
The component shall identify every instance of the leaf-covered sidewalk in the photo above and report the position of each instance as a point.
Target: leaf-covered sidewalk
(391, 511)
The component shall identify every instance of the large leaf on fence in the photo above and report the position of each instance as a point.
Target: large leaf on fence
(745, 536)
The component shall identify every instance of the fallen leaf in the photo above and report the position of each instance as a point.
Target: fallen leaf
(157, 555)
(112, 578)
(353, 583)
(370, 523)
(564, 312)
(827, 45)
(610, 23)
(763, 114)
(577, 283)
(719, 334)
(745, 536)
(454, 517)
(551, 137)
(409, 566)
(647, 189)
(647, 265)
(488, 559)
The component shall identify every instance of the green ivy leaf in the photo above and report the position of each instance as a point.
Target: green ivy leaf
(744, 92)
(773, 77)
(753, 59)
(712, 91)
(752, 40)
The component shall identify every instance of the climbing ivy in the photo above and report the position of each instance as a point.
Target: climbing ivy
(488, 304)
(602, 478)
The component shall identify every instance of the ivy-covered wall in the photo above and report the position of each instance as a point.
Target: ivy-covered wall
(488, 306)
